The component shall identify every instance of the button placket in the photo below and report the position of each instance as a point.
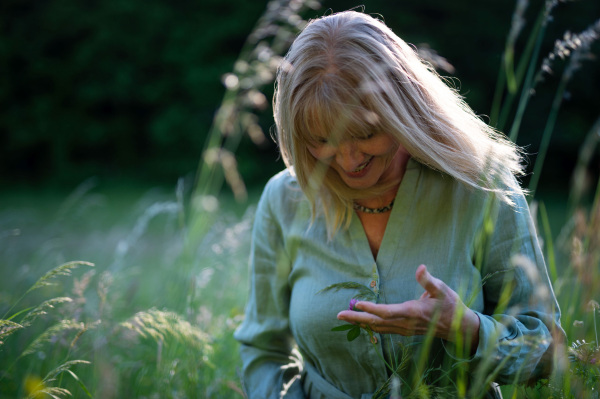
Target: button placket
(374, 284)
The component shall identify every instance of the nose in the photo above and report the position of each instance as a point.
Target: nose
(348, 156)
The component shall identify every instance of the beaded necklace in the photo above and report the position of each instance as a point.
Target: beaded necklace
(383, 209)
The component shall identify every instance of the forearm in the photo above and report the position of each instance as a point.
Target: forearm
(268, 374)
(514, 349)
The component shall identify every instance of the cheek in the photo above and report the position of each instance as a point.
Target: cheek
(381, 148)
(322, 153)
(391, 147)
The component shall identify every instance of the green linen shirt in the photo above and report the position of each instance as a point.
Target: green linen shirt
(435, 221)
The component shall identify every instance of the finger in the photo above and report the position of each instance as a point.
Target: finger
(386, 311)
(431, 284)
(359, 318)
(366, 306)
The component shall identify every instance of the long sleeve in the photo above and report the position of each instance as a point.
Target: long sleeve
(520, 323)
(271, 368)
(435, 221)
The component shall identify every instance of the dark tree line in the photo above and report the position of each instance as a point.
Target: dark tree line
(128, 88)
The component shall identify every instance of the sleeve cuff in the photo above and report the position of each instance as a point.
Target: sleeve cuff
(490, 333)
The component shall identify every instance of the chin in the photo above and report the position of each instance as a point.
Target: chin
(360, 184)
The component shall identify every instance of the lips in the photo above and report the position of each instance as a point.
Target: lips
(362, 165)
(361, 170)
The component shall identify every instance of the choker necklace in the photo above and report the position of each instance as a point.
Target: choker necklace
(383, 209)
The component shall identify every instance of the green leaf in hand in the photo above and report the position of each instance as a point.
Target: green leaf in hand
(343, 327)
(353, 333)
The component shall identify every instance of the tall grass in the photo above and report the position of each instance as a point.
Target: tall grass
(126, 327)
(153, 316)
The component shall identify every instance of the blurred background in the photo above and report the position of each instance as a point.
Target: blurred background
(126, 90)
(105, 111)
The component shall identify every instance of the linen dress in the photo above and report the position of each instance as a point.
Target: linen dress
(435, 221)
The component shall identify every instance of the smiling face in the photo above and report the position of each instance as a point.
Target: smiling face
(363, 162)
(333, 108)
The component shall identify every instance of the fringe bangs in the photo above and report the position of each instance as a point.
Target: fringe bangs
(348, 75)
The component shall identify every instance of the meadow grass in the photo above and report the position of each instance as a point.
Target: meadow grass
(137, 294)
(139, 321)
(149, 323)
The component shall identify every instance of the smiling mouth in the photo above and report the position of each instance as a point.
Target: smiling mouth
(362, 165)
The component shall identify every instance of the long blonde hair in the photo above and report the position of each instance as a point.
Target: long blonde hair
(348, 73)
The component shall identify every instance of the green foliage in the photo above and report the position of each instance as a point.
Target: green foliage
(42, 309)
(8, 327)
(34, 387)
(113, 85)
(585, 363)
(364, 292)
(65, 367)
(50, 333)
(133, 79)
(130, 88)
(164, 326)
(353, 331)
(62, 270)
(134, 348)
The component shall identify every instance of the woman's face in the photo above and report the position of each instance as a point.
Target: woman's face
(362, 162)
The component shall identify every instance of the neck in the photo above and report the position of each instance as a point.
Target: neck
(397, 170)
(381, 201)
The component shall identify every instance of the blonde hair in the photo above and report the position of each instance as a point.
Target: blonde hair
(348, 73)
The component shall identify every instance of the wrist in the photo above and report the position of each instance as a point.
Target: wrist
(471, 324)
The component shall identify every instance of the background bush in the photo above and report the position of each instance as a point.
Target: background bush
(127, 89)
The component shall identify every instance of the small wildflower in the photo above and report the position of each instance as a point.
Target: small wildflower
(353, 303)
(593, 305)
(34, 386)
(576, 44)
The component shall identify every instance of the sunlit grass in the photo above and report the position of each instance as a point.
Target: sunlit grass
(155, 315)
(149, 322)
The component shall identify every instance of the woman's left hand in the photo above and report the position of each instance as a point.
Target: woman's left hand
(438, 304)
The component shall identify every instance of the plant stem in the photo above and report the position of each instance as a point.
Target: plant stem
(586, 152)
(382, 358)
(511, 81)
(12, 307)
(549, 244)
(526, 89)
(595, 328)
(539, 162)
(528, 57)
(497, 96)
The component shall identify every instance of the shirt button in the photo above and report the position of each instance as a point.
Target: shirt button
(373, 339)
(373, 283)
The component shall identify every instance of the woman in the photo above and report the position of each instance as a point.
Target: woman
(391, 180)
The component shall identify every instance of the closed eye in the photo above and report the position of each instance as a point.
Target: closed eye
(320, 140)
(367, 137)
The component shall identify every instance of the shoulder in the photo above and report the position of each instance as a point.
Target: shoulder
(514, 221)
(281, 186)
(509, 200)
(282, 194)
(446, 193)
(283, 180)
